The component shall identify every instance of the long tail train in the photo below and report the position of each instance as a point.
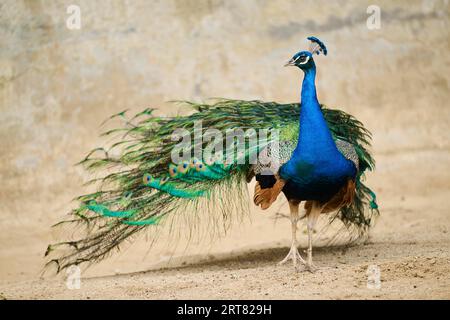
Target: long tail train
(142, 187)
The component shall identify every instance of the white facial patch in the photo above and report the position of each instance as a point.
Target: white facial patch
(294, 60)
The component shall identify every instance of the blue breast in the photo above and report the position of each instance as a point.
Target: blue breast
(316, 178)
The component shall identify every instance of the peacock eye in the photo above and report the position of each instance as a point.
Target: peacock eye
(173, 170)
(200, 166)
(210, 161)
(147, 178)
(304, 59)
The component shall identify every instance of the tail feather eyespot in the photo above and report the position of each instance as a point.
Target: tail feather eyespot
(193, 162)
(210, 161)
(200, 166)
(183, 167)
(147, 178)
(173, 170)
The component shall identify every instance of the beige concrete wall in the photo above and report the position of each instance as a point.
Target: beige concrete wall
(57, 85)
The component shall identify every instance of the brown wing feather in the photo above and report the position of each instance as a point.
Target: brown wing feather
(265, 197)
(341, 199)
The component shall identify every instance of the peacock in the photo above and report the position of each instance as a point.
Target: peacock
(165, 167)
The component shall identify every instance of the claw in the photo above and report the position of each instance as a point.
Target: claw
(311, 267)
(295, 256)
(279, 215)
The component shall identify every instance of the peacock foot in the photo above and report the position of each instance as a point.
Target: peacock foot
(295, 256)
(311, 267)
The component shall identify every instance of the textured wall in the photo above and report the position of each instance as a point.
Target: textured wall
(57, 85)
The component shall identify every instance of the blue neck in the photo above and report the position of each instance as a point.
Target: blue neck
(314, 133)
(308, 94)
(316, 170)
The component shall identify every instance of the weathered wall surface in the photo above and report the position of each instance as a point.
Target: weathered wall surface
(57, 85)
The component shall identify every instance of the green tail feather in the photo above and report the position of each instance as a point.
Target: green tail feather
(100, 209)
(142, 188)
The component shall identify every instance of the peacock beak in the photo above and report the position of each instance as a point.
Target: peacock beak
(290, 63)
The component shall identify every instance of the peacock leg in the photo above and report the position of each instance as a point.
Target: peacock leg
(293, 254)
(313, 215)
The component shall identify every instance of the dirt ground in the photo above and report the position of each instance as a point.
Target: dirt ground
(410, 244)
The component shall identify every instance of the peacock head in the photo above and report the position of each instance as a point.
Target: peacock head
(304, 59)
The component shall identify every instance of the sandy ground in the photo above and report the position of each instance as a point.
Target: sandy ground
(410, 244)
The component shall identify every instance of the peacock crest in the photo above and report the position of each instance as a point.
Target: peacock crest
(316, 46)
